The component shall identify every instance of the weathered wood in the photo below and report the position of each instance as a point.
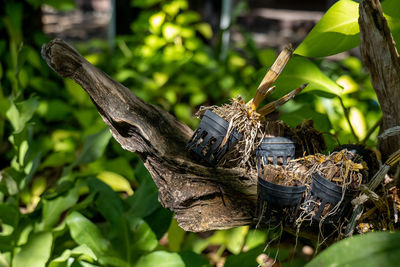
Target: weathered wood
(382, 60)
(202, 198)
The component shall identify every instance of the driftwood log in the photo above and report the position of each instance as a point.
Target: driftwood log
(201, 197)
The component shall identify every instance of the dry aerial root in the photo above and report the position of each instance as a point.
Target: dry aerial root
(245, 121)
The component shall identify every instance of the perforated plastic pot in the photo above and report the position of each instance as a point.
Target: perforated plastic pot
(325, 195)
(278, 203)
(206, 141)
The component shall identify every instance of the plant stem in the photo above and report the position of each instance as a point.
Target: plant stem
(346, 114)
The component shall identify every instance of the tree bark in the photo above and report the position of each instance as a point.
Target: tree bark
(379, 54)
(201, 197)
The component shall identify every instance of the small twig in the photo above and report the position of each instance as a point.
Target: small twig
(270, 107)
(346, 114)
(372, 185)
(371, 131)
(271, 76)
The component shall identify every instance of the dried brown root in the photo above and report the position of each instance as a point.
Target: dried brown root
(241, 117)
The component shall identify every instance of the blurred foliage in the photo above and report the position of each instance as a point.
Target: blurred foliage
(71, 196)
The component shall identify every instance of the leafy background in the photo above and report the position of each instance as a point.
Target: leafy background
(71, 196)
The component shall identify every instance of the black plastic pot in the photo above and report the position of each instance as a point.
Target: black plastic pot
(282, 202)
(328, 195)
(206, 141)
(275, 148)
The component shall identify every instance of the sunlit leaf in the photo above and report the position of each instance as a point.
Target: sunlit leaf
(348, 84)
(300, 70)
(357, 120)
(160, 259)
(205, 30)
(20, 113)
(172, 8)
(83, 251)
(337, 31)
(156, 20)
(187, 17)
(175, 236)
(83, 231)
(116, 182)
(36, 252)
(373, 249)
(233, 239)
(170, 31)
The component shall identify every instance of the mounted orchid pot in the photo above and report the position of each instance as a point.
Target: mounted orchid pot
(212, 139)
(276, 203)
(327, 201)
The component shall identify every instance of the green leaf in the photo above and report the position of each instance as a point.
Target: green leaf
(20, 113)
(145, 200)
(337, 31)
(83, 251)
(93, 147)
(175, 236)
(85, 232)
(300, 70)
(117, 182)
(159, 221)
(372, 249)
(233, 239)
(107, 201)
(36, 252)
(143, 239)
(193, 259)
(52, 209)
(63, 5)
(144, 3)
(160, 259)
(5, 259)
(9, 215)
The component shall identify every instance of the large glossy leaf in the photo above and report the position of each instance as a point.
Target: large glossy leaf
(373, 249)
(36, 252)
(85, 232)
(337, 31)
(300, 70)
(160, 259)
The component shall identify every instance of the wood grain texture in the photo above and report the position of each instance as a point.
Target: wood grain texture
(379, 54)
